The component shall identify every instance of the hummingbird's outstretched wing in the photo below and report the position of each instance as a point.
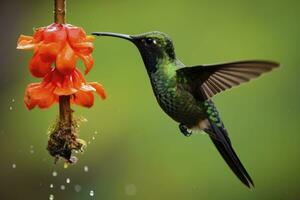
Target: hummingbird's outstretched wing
(208, 80)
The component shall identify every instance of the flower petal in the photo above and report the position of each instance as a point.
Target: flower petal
(38, 67)
(46, 102)
(66, 88)
(37, 95)
(90, 38)
(55, 33)
(66, 60)
(36, 91)
(49, 51)
(38, 34)
(87, 88)
(78, 79)
(55, 78)
(64, 91)
(87, 61)
(85, 99)
(75, 34)
(99, 89)
(25, 42)
(29, 101)
(83, 47)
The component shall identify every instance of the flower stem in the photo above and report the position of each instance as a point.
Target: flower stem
(65, 112)
(64, 101)
(60, 11)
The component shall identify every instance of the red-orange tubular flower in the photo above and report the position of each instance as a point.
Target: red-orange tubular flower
(57, 49)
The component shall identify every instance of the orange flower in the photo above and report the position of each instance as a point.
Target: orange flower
(57, 49)
(59, 44)
(55, 84)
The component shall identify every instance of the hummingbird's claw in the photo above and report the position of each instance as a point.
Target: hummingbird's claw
(184, 130)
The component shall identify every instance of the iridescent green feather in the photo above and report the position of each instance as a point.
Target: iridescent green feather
(212, 113)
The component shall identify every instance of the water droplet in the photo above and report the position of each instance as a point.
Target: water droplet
(31, 151)
(62, 187)
(10, 107)
(51, 185)
(130, 189)
(86, 168)
(14, 166)
(92, 193)
(13, 100)
(54, 173)
(51, 197)
(31, 146)
(93, 138)
(68, 180)
(96, 132)
(77, 188)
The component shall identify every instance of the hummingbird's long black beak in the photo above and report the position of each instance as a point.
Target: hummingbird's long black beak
(119, 35)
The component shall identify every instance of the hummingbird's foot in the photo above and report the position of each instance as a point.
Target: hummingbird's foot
(184, 130)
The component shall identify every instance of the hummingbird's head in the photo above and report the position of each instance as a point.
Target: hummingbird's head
(153, 46)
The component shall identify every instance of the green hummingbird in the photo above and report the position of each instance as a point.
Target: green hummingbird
(184, 93)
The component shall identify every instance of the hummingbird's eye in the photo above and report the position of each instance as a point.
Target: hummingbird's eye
(150, 41)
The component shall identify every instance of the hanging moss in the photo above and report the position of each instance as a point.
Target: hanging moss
(63, 141)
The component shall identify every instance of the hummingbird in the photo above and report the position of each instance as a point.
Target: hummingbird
(185, 92)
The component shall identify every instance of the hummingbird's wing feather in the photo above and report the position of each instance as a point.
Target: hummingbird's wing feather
(209, 80)
(219, 136)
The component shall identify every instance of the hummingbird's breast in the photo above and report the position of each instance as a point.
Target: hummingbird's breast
(174, 99)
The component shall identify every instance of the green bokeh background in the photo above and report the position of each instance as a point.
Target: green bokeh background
(139, 152)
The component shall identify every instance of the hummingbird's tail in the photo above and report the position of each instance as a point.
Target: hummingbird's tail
(219, 137)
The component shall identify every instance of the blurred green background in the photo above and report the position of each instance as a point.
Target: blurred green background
(139, 152)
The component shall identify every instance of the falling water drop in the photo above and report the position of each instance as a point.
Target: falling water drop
(51, 185)
(93, 138)
(62, 187)
(77, 188)
(10, 107)
(96, 132)
(86, 168)
(14, 166)
(54, 173)
(68, 180)
(13, 100)
(92, 193)
(51, 197)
